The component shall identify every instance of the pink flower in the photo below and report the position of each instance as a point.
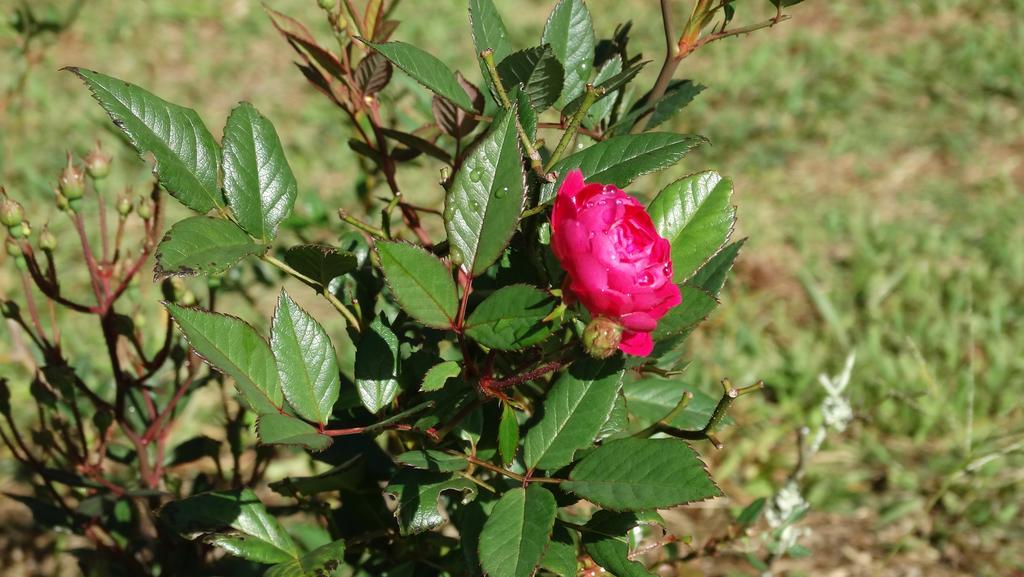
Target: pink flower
(618, 266)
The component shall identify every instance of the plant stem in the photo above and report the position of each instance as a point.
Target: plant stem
(350, 318)
(589, 98)
(531, 152)
(365, 227)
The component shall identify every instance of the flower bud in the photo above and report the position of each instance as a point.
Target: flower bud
(72, 180)
(47, 241)
(601, 338)
(11, 213)
(124, 204)
(61, 201)
(12, 247)
(145, 208)
(97, 164)
(327, 4)
(25, 229)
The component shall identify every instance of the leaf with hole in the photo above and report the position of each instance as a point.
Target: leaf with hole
(306, 362)
(421, 283)
(258, 182)
(203, 245)
(622, 159)
(486, 198)
(234, 348)
(187, 157)
(517, 532)
(323, 561)
(418, 493)
(573, 411)
(636, 474)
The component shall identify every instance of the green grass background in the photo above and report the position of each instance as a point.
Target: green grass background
(877, 149)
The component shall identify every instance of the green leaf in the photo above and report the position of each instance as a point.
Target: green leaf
(508, 434)
(573, 412)
(376, 367)
(488, 32)
(679, 94)
(203, 245)
(651, 400)
(609, 85)
(320, 262)
(695, 215)
(235, 349)
(439, 374)
(699, 295)
(418, 493)
(486, 198)
(256, 535)
(258, 183)
(511, 318)
(437, 461)
(606, 540)
(324, 561)
(634, 474)
(278, 429)
(517, 532)
(751, 513)
(562, 555)
(420, 282)
(622, 159)
(425, 69)
(538, 71)
(187, 159)
(603, 107)
(306, 362)
(571, 36)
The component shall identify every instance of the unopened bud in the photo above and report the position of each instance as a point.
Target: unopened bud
(145, 208)
(601, 338)
(72, 180)
(97, 164)
(25, 230)
(12, 247)
(11, 213)
(47, 241)
(61, 201)
(124, 204)
(326, 4)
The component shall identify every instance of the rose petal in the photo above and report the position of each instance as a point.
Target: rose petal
(636, 344)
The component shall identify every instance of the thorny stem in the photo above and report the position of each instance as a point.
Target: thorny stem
(350, 318)
(677, 50)
(531, 152)
(589, 98)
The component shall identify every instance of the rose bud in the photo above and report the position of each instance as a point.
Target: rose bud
(11, 213)
(617, 265)
(72, 181)
(124, 204)
(97, 164)
(47, 241)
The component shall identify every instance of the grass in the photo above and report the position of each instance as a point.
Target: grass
(878, 153)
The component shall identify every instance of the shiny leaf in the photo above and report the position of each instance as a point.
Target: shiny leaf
(306, 362)
(203, 245)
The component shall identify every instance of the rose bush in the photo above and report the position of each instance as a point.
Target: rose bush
(451, 387)
(616, 263)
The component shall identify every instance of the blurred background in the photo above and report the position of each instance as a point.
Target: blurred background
(877, 150)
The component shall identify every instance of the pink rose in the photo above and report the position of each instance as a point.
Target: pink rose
(618, 266)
